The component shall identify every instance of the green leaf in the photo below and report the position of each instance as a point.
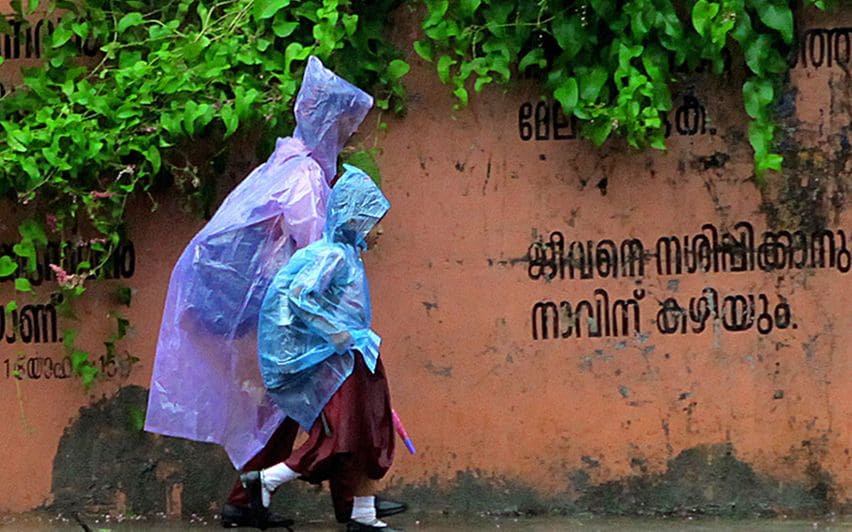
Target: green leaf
(295, 52)
(136, 417)
(604, 8)
(468, 7)
(264, 9)
(777, 16)
(350, 23)
(758, 94)
(88, 374)
(7, 266)
(124, 294)
(598, 131)
(81, 29)
(152, 155)
(79, 359)
(436, 10)
(773, 161)
(760, 136)
(11, 306)
(32, 231)
(533, 57)
(365, 160)
(424, 49)
(481, 82)
(23, 285)
(461, 94)
(122, 324)
(719, 30)
(567, 95)
(591, 83)
(243, 101)
(756, 52)
(282, 27)
(397, 68)
(171, 122)
(444, 64)
(69, 338)
(702, 15)
(656, 63)
(26, 249)
(61, 35)
(230, 119)
(128, 21)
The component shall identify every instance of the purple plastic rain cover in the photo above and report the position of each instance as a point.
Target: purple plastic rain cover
(206, 385)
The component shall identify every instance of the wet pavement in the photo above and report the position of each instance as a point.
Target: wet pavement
(439, 523)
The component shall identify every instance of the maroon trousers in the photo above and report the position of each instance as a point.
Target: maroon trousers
(352, 441)
(277, 449)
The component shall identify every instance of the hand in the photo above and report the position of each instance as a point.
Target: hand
(342, 341)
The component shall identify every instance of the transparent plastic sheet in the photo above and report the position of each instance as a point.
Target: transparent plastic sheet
(206, 385)
(317, 309)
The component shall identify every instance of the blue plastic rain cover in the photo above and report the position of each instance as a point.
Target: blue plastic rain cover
(206, 385)
(317, 309)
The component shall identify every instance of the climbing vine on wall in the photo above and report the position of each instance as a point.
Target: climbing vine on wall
(78, 141)
(612, 63)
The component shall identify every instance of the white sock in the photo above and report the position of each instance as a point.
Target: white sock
(272, 477)
(364, 511)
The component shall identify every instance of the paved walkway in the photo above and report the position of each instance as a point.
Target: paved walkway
(37, 522)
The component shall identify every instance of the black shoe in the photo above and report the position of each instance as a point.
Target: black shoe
(253, 485)
(241, 516)
(355, 526)
(386, 507)
(258, 513)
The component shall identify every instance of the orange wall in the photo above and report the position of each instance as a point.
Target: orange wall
(453, 298)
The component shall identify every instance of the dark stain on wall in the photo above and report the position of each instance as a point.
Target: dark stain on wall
(106, 465)
(709, 480)
(812, 189)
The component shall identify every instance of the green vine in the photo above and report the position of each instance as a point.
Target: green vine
(612, 63)
(79, 140)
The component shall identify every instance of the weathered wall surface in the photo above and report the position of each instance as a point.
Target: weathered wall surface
(690, 354)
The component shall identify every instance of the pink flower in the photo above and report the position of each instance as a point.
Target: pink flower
(61, 275)
(102, 195)
(65, 279)
(50, 222)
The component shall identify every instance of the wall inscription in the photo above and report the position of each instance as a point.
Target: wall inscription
(709, 251)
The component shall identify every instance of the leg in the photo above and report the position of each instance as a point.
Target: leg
(366, 487)
(364, 516)
(277, 450)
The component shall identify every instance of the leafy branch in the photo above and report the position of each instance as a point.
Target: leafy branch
(83, 135)
(612, 64)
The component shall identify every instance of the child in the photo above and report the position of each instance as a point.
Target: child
(320, 360)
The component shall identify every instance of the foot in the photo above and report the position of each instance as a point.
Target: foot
(386, 507)
(241, 516)
(259, 513)
(376, 526)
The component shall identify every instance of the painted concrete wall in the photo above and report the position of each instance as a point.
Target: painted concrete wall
(620, 380)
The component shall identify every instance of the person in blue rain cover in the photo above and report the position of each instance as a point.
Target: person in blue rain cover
(319, 359)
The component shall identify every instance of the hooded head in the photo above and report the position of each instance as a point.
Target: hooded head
(328, 111)
(355, 206)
